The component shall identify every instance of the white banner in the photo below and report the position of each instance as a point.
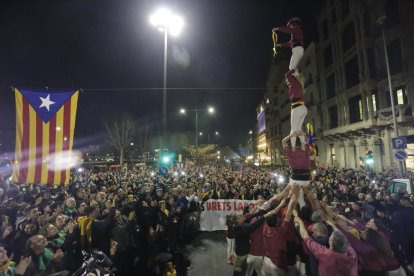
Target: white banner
(214, 212)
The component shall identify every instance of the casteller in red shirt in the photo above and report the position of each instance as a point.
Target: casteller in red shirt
(275, 244)
(257, 247)
(332, 262)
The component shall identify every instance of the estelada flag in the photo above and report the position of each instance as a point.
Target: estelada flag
(45, 124)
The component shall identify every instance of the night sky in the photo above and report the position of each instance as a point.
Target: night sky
(109, 49)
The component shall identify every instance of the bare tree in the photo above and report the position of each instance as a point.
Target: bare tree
(120, 133)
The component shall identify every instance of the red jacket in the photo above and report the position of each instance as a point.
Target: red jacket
(331, 262)
(295, 88)
(296, 36)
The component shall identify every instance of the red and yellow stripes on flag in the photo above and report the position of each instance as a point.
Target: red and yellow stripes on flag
(37, 142)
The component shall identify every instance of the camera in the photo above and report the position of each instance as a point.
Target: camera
(96, 260)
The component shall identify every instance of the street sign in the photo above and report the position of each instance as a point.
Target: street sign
(400, 155)
(399, 143)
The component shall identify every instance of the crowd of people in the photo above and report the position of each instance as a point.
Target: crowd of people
(138, 221)
(351, 224)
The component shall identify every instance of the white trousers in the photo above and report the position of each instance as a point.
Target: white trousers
(230, 247)
(297, 54)
(254, 263)
(297, 117)
(269, 269)
(300, 183)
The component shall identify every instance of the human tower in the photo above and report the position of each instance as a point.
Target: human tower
(294, 145)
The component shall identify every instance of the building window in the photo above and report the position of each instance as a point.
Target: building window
(355, 109)
(367, 23)
(371, 63)
(392, 13)
(352, 72)
(344, 8)
(327, 56)
(333, 15)
(333, 116)
(348, 37)
(325, 29)
(330, 86)
(399, 94)
(374, 102)
(395, 57)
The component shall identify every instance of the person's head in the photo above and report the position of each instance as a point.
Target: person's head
(91, 212)
(30, 228)
(32, 212)
(82, 207)
(305, 212)
(161, 204)
(100, 196)
(405, 201)
(70, 203)
(127, 210)
(319, 230)
(317, 217)
(49, 231)
(294, 22)
(59, 221)
(356, 206)
(36, 244)
(159, 192)
(272, 220)
(338, 242)
(80, 193)
(237, 219)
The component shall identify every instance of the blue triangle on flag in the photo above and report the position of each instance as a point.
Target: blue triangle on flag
(46, 103)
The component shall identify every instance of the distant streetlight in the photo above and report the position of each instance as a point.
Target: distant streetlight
(132, 144)
(169, 23)
(250, 132)
(217, 133)
(210, 110)
(218, 152)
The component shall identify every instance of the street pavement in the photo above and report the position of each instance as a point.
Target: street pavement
(208, 255)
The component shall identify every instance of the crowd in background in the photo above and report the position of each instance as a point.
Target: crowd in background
(141, 219)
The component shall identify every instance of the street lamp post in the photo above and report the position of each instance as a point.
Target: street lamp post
(381, 21)
(209, 110)
(169, 23)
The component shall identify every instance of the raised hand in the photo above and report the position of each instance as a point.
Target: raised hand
(23, 264)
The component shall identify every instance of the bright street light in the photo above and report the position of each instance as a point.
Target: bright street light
(169, 23)
(182, 111)
(211, 110)
(132, 143)
(217, 133)
(201, 134)
(165, 19)
(250, 131)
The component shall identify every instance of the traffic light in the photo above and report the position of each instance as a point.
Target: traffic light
(166, 158)
(369, 159)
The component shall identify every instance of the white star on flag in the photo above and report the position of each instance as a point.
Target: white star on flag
(46, 102)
